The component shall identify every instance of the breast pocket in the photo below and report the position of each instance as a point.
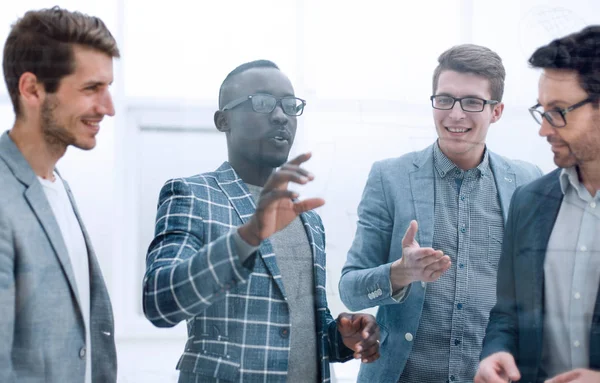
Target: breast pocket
(494, 244)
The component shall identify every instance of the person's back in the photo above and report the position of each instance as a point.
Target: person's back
(57, 322)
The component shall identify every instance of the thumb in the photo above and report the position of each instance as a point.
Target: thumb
(346, 326)
(507, 362)
(409, 236)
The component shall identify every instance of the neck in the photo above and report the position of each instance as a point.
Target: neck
(41, 155)
(467, 160)
(250, 172)
(589, 176)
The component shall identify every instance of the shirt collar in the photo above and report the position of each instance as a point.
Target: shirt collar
(570, 178)
(444, 166)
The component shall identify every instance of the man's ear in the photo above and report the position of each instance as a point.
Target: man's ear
(497, 112)
(221, 121)
(31, 92)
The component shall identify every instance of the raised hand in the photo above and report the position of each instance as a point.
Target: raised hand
(275, 208)
(417, 263)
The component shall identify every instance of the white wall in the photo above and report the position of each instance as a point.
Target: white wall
(364, 69)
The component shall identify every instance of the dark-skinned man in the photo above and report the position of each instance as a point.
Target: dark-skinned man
(239, 257)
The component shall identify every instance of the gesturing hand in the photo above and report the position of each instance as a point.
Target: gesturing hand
(275, 208)
(579, 375)
(360, 333)
(499, 367)
(417, 263)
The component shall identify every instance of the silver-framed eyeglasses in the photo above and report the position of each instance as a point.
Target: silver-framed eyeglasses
(266, 103)
(468, 104)
(556, 117)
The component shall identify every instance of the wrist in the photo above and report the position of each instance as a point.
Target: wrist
(398, 276)
(248, 234)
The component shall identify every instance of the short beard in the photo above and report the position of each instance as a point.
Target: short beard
(55, 135)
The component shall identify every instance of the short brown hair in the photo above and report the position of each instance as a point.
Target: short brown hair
(470, 58)
(41, 42)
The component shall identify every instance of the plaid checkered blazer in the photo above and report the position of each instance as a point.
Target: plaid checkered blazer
(237, 316)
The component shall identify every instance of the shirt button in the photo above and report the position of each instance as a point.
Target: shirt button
(408, 336)
(452, 378)
(461, 265)
(423, 284)
(593, 205)
(577, 295)
(459, 306)
(82, 352)
(462, 197)
(576, 343)
(456, 342)
(463, 230)
(284, 332)
(583, 248)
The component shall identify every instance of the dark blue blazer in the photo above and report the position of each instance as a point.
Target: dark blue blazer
(517, 321)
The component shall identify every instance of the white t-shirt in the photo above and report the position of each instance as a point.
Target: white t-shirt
(78, 254)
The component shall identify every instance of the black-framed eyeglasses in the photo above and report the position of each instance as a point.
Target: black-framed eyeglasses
(266, 103)
(556, 117)
(468, 104)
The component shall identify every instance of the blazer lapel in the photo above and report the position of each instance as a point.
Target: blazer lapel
(36, 198)
(241, 199)
(317, 248)
(423, 195)
(505, 182)
(530, 265)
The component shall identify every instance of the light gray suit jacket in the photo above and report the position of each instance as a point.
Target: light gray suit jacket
(399, 190)
(42, 333)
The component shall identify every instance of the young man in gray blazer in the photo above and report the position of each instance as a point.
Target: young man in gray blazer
(56, 324)
(435, 286)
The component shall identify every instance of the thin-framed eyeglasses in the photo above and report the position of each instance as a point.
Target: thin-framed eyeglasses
(266, 103)
(468, 104)
(556, 117)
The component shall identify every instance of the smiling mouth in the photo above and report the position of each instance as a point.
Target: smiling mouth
(457, 130)
(281, 139)
(92, 124)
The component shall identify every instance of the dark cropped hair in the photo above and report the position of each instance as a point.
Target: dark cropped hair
(41, 42)
(475, 59)
(579, 52)
(242, 68)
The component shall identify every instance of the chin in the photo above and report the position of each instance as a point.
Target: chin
(275, 161)
(86, 145)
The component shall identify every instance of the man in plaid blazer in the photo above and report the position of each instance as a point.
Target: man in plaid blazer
(242, 260)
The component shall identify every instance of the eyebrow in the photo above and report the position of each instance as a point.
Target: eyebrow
(262, 91)
(95, 83)
(466, 96)
(554, 103)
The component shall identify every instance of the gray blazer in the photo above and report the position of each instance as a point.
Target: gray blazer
(399, 190)
(42, 333)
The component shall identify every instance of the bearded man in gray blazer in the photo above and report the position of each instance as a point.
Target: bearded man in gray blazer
(57, 322)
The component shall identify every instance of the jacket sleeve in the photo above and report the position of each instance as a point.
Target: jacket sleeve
(186, 273)
(365, 280)
(502, 329)
(7, 300)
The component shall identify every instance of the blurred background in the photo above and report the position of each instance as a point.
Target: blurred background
(365, 69)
